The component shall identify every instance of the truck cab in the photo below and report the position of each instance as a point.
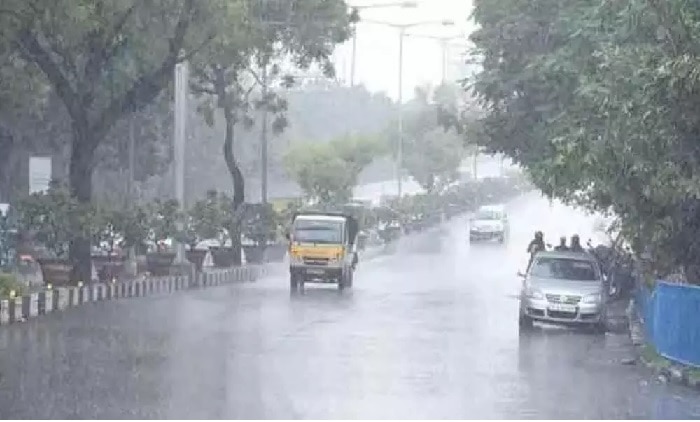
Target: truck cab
(322, 249)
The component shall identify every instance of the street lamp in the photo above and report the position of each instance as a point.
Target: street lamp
(402, 27)
(444, 44)
(401, 4)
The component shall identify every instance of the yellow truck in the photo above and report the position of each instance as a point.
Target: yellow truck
(322, 249)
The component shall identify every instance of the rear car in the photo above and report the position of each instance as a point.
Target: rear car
(489, 223)
(563, 288)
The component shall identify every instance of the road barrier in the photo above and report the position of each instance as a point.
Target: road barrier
(670, 314)
(31, 305)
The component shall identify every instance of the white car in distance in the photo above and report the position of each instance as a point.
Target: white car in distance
(490, 222)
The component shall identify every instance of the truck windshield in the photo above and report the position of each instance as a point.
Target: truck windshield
(315, 231)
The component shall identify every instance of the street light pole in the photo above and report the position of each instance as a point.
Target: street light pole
(444, 46)
(401, 4)
(399, 148)
(263, 138)
(402, 34)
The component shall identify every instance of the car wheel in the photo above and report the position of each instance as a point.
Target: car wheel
(600, 327)
(524, 322)
(293, 283)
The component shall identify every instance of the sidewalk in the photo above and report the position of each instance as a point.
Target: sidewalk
(667, 369)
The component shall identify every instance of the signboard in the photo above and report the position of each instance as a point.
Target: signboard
(39, 174)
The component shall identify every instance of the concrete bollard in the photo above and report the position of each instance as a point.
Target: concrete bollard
(16, 309)
(73, 296)
(4, 312)
(33, 305)
(48, 301)
(62, 298)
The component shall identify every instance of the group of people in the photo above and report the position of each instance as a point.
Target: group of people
(538, 244)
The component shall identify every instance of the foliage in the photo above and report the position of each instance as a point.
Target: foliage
(8, 284)
(7, 239)
(56, 218)
(165, 216)
(132, 223)
(249, 56)
(261, 223)
(210, 217)
(598, 100)
(328, 172)
(432, 148)
(433, 159)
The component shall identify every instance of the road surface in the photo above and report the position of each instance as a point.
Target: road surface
(430, 332)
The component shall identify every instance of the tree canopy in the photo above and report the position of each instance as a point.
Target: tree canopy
(599, 101)
(432, 148)
(328, 172)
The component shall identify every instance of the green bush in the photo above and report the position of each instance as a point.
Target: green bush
(8, 283)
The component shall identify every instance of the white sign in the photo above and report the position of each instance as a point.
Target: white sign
(39, 174)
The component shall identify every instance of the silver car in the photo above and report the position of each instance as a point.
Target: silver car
(563, 288)
(490, 222)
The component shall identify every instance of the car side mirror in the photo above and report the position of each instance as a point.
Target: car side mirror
(521, 274)
(287, 236)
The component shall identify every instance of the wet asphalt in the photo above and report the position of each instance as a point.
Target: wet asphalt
(429, 332)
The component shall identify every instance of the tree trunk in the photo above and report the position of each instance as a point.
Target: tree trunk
(238, 185)
(80, 178)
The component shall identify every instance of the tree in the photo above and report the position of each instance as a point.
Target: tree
(432, 149)
(104, 59)
(599, 101)
(305, 31)
(433, 159)
(327, 173)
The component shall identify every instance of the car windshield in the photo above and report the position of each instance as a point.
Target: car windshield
(564, 269)
(487, 215)
(317, 231)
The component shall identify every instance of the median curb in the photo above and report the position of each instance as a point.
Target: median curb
(32, 305)
(666, 369)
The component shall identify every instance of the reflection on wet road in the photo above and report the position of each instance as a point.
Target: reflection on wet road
(430, 332)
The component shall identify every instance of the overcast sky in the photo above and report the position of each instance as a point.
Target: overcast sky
(377, 59)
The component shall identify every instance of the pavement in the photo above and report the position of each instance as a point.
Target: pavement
(428, 332)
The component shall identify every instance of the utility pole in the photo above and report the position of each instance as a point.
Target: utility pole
(399, 149)
(181, 94)
(263, 137)
(132, 158)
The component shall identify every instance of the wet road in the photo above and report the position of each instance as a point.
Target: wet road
(430, 332)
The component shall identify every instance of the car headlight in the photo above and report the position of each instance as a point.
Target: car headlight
(594, 298)
(535, 294)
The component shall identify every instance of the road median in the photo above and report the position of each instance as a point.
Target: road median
(50, 300)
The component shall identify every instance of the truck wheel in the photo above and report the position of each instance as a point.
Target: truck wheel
(343, 282)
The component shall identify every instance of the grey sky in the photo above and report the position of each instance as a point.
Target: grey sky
(378, 45)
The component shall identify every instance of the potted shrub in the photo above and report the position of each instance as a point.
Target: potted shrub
(163, 228)
(211, 216)
(53, 219)
(109, 263)
(133, 226)
(260, 226)
(189, 236)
